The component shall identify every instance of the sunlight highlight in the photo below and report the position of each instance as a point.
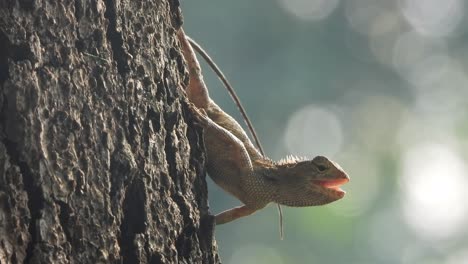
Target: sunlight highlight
(434, 181)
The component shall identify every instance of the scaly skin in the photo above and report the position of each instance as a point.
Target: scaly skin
(237, 166)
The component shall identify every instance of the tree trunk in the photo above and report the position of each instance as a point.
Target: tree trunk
(98, 163)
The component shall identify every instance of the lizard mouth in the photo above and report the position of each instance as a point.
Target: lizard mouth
(333, 185)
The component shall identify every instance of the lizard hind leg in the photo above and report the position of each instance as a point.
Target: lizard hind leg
(199, 115)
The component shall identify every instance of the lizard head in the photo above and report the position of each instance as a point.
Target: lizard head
(309, 182)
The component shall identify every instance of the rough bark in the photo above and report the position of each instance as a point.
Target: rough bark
(99, 162)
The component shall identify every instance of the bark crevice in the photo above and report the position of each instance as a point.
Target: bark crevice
(16, 53)
(115, 38)
(35, 194)
(65, 212)
(133, 222)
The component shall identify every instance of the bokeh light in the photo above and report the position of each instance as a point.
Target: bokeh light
(458, 257)
(434, 181)
(416, 253)
(364, 15)
(433, 17)
(374, 119)
(385, 33)
(313, 131)
(443, 88)
(255, 254)
(419, 127)
(378, 86)
(309, 9)
(414, 55)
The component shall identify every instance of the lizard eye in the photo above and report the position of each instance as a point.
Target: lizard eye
(321, 167)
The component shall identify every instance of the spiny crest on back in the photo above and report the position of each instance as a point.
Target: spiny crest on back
(290, 159)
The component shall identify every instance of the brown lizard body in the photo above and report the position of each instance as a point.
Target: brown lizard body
(239, 168)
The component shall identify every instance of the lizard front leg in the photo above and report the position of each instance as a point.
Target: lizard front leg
(228, 163)
(233, 214)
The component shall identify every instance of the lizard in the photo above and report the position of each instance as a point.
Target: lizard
(240, 169)
(237, 101)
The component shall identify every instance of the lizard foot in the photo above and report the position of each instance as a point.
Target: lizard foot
(207, 228)
(199, 115)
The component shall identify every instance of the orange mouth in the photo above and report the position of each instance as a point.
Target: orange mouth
(332, 184)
